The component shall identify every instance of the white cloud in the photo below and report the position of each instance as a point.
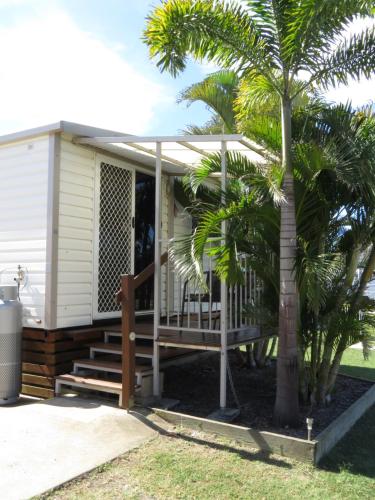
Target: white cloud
(208, 67)
(358, 93)
(50, 70)
(362, 92)
(12, 3)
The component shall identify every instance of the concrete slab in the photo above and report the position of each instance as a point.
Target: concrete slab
(46, 443)
(226, 415)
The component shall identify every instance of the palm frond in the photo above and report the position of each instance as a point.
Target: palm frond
(352, 59)
(213, 126)
(218, 92)
(353, 328)
(311, 27)
(316, 276)
(244, 177)
(221, 32)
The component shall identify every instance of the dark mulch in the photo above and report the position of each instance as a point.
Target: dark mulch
(196, 386)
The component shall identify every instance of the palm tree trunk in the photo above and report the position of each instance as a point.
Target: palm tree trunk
(286, 406)
(323, 372)
(271, 351)
(366, 277)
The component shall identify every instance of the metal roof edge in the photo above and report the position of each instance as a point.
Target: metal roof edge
(73, 128)
(32, 132)
(78, 129)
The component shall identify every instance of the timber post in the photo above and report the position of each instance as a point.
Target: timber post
(128, 341)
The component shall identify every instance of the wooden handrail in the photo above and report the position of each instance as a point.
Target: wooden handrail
(143, 276)
(148, 271)
(126, 297)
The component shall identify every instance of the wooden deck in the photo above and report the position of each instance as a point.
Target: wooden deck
(209, 341)
(181, 338)
(184, 339)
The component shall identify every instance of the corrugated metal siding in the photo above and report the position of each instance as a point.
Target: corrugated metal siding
(23, 221)
(76, 234)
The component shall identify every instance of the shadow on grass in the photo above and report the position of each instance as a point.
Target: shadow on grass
(358, 372)
(261, 455)
(356, 452)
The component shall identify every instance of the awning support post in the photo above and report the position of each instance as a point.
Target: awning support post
(223, 293)
(157, 287)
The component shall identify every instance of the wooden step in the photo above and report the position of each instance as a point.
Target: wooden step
(144, 351)
(88, 383)
(118, 334)
(99, 365)
(91, 383)
(140, 351)
(109, 366)
(88, 333)
(105, 348)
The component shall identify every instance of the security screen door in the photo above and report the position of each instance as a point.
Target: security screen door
(114, 233)
(144, 239)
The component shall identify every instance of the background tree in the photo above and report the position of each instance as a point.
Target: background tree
(271, 42)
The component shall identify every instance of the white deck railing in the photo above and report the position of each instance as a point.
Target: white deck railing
(197, 308)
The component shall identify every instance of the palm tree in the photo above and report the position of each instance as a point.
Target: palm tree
(336, 230)
(270, 42)
(334, 168)
(321, 131)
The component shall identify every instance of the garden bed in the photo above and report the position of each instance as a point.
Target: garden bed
(196, 386)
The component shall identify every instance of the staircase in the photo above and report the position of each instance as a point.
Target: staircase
(102, 371)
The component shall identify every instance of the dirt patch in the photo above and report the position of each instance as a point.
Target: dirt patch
(196, 385)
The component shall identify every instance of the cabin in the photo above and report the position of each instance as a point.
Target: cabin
(86, 223)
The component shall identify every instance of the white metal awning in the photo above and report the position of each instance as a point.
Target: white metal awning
(179, 153)
(175, 155)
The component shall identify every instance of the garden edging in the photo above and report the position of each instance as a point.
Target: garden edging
(328, 438)
(288, 446)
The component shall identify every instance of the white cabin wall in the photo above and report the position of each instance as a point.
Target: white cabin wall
(75, 280)
(182, 226)
(23, 222)
(75, 236)
(165, 228)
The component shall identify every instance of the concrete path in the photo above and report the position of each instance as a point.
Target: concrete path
(46, 443)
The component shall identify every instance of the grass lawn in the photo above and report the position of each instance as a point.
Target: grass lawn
(354, 365)
(187, 465)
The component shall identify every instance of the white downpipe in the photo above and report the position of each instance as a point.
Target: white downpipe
(156, 377)
(223, 294)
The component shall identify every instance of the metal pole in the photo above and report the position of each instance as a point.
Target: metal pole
(223, 294)
(156, 377)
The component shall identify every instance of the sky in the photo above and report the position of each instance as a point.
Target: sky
(84, 61)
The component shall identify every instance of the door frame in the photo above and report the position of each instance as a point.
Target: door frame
(145, 312)
(100, 158)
